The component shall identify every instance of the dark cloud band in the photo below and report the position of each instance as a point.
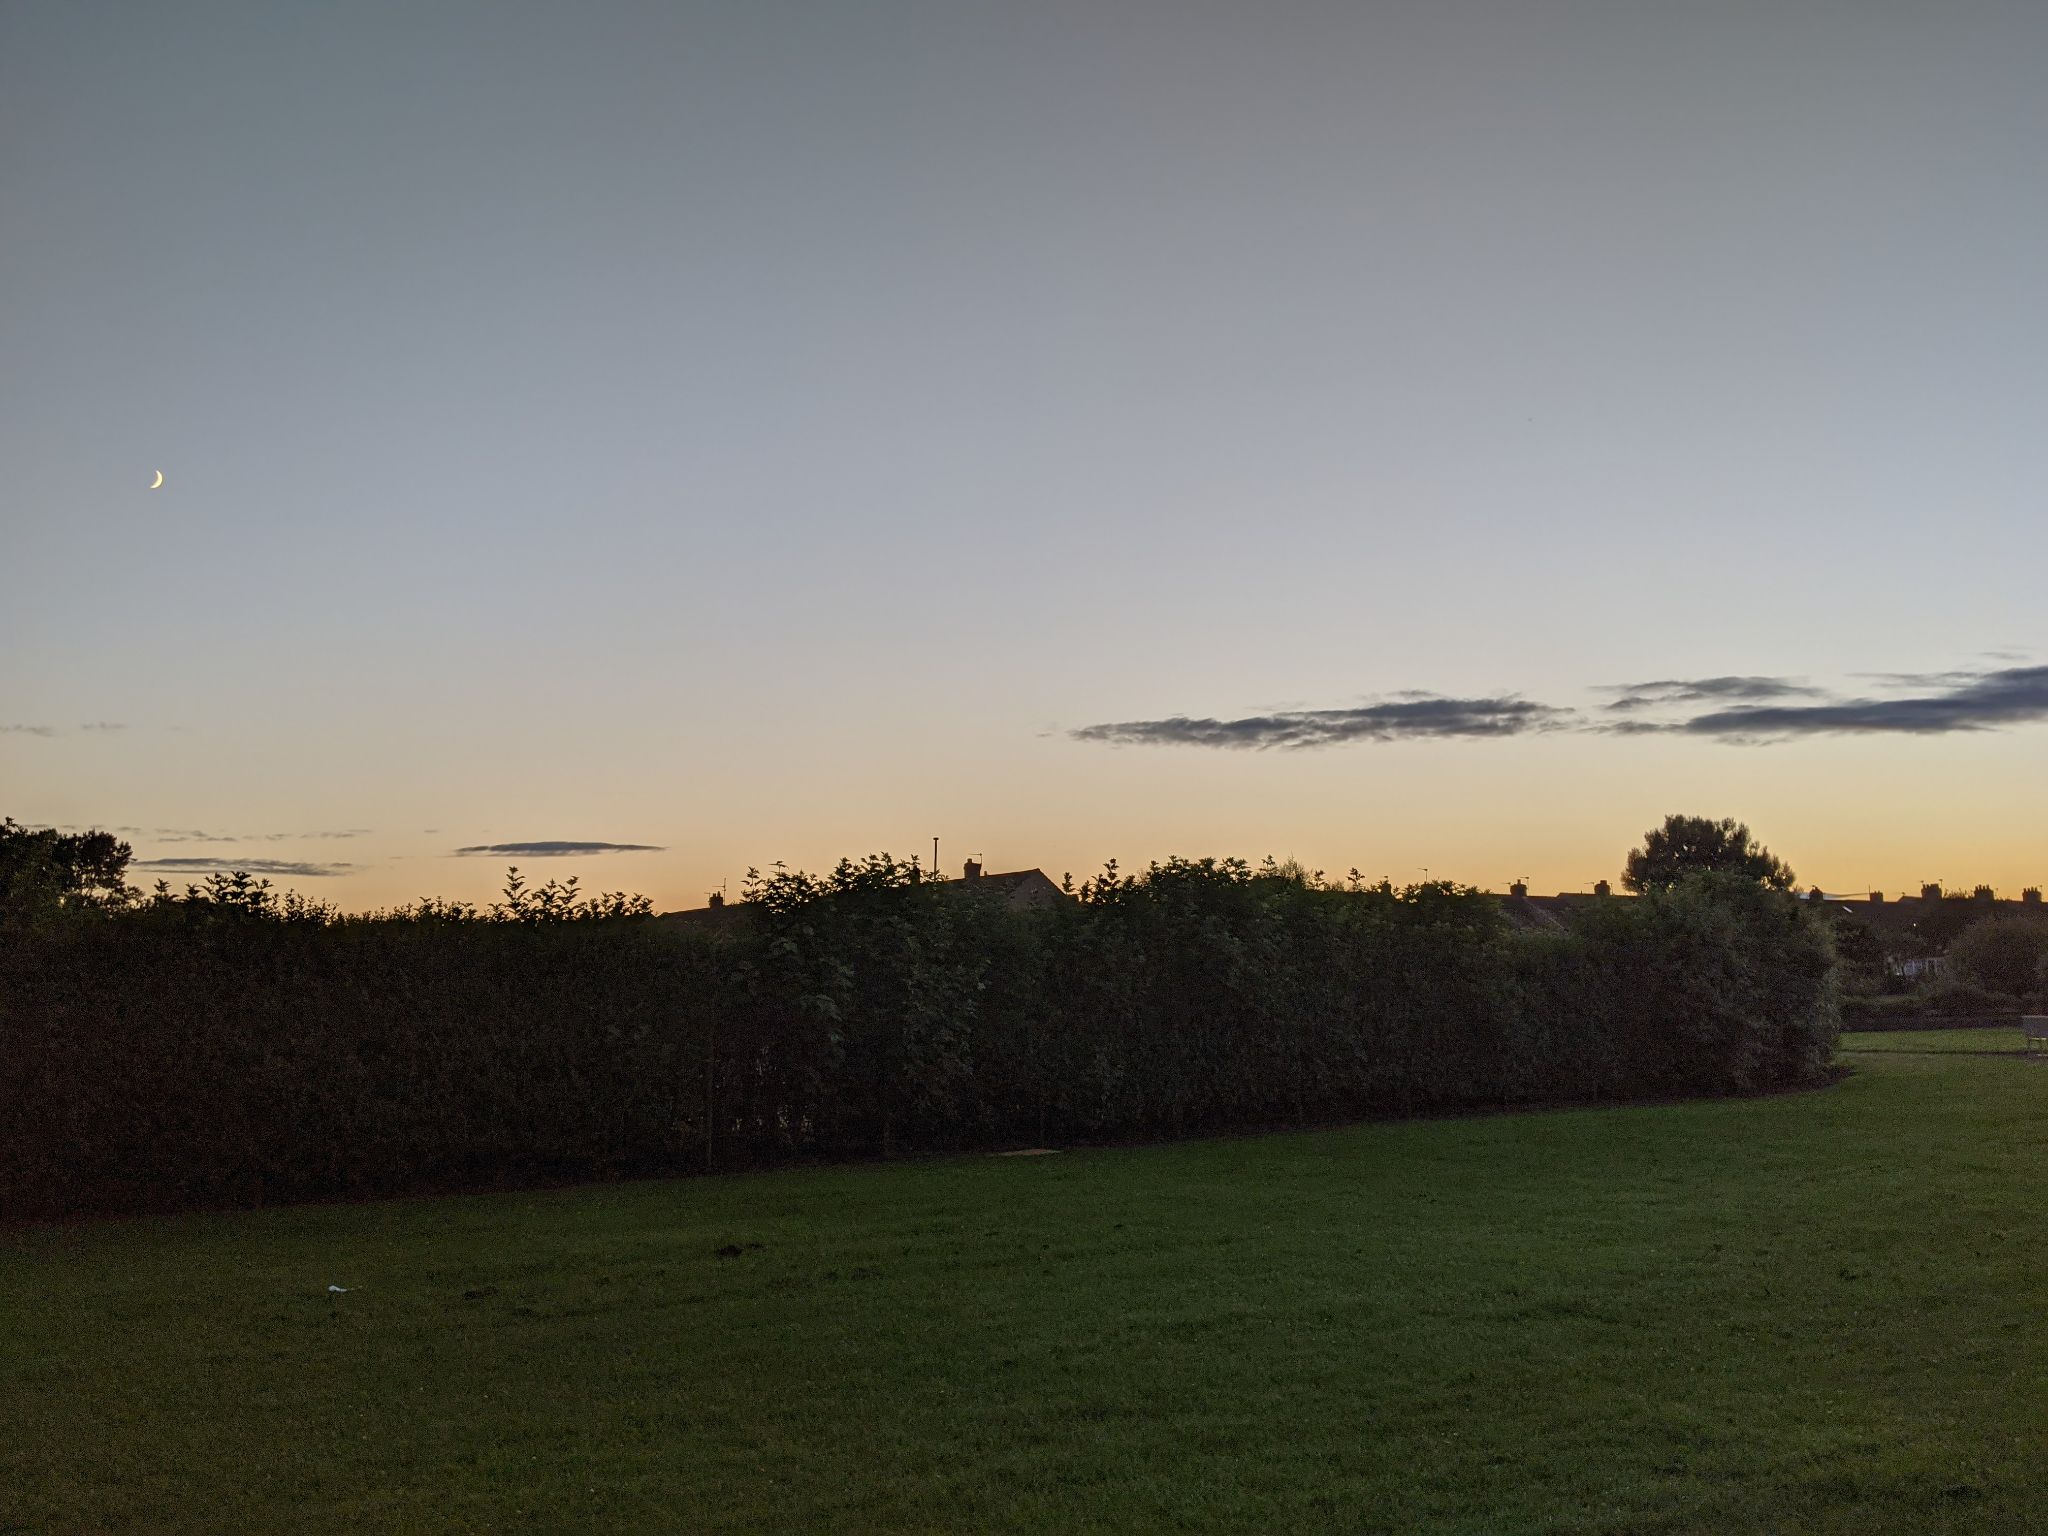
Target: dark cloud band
(553, 850)
(1410, 717)
(189, 835)
(1980, 701)
(1703, 690)
(1752, 710)
(202, 866)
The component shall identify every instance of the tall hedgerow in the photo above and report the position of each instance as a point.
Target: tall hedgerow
(228, 1047)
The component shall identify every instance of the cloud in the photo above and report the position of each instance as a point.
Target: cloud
(553, 850)
(1702, 690)
(1409, 716)
(1732, 709)
(27, 730)
(187, 835)
(1636, 727)
(205, 866)
(1962, 701)
(1921, 681)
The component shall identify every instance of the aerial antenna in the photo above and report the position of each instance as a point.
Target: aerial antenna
(935, 858)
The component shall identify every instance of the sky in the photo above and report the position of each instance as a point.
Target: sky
(1439, 439)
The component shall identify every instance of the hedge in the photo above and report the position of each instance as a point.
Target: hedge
(179, 1056)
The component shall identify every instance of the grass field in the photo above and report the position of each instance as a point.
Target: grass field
(1817, 1312)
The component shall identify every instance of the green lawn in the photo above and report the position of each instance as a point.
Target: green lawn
(1817, 1312)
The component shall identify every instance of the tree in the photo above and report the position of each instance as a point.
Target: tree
(1686, 845)
(1862, 956)
(1939, 921)
(2002, 954)
(43, 871)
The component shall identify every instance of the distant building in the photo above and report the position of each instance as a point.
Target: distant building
(1020, 890)
(1927, 922)
(1908, 913)
(1543, 913)
(1532, 912)
(716, 916)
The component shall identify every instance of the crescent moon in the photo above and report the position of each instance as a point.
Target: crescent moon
(159, 480)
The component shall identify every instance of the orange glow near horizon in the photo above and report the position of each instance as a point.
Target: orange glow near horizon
(1850, 815)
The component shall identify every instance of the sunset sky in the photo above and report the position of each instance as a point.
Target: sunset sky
(1426, 436)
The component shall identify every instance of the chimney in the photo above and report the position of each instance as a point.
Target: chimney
(973, 869)
(717, 899)
(1877, 898)
(2031, 896)
(1602, 888)
(1519, 888)
(1930, 893)
(1816, 894)
(1983, 893)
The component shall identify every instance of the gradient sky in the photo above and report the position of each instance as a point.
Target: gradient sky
(774, 431)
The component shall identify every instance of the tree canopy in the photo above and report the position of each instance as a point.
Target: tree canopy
(1686, 845)
(2004, 954)
(43, 870)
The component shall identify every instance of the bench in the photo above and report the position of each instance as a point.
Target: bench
(2036, 1026)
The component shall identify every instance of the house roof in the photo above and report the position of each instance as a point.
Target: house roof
(718, 918)
(1532, 912)
(1017, 888)
(1895, 915)
(1903, 913)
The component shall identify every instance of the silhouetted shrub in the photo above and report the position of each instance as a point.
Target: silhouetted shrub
(2000, 954)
